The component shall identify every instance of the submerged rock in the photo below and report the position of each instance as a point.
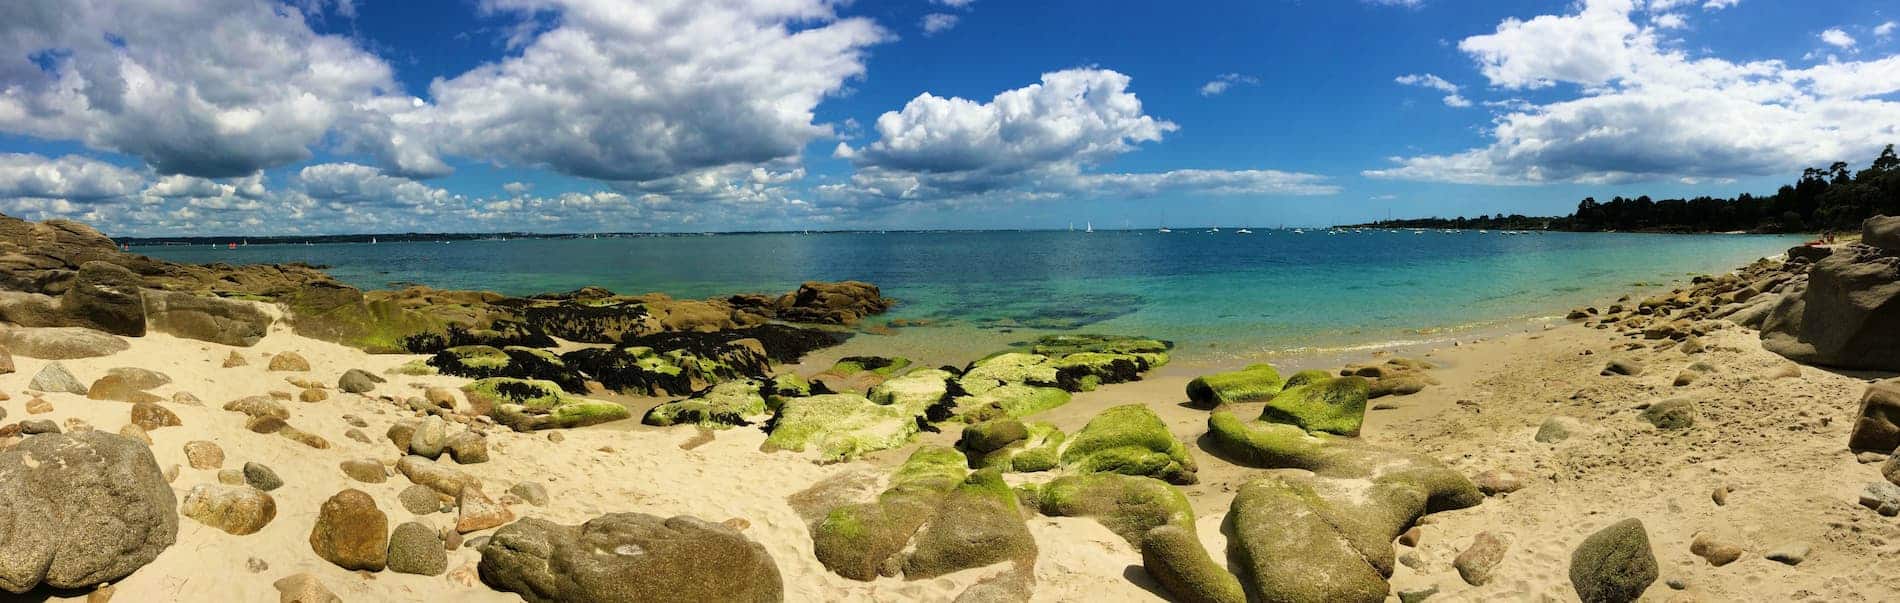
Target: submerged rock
(629, 557)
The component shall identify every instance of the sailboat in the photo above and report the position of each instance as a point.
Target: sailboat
(1090, 229)
(1166, 230)
(1243, 231)
(372, 240)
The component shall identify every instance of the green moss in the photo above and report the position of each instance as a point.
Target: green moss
(914, 390)
(718, 407)
(377, 327)
(1175, 557)
(990, 436)
(1333, 405)
(1130, 440)
(415, 368)
(1128, 505)
(479, 357)
(538, 353)
(530, 404)
(1063, 345)
(1280, 446)
(979, 523)
(840, 426)
(856, 540)
(1251, 384)
(852, 365)
(790, 385)
(1006, 369)
(1306, 376)
(1012, 400)
(1271, 445)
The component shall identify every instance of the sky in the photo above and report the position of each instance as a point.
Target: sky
(256, 117)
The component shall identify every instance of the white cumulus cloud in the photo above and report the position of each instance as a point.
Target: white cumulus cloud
(1427, 80)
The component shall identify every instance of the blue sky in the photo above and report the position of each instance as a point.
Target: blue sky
(256, 117)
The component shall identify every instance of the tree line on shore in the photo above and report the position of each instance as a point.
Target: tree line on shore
(1835, 198)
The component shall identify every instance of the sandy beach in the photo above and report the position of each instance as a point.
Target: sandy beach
(1775, 441)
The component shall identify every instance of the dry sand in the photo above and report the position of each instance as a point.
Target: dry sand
(1779, 443)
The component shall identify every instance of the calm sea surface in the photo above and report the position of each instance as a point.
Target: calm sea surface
(1220, 296)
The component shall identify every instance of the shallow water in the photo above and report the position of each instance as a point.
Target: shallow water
(1219, 296)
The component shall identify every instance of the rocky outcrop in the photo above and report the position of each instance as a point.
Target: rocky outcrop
(106, 297)
(527, 405)
(1878, 427)
(1846, 315)
(224, 321)
(1882, 232)
(1129, 440)
(629, 557)
(839, 303)
(81, 509)
(60, 343)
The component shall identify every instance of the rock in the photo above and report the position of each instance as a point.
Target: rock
(1252, 384)
(530, 492)
(682, 559)
(990, 436)
(357, 381)
(1720, 495)
(430, 436)
(150, 416)
(351, 532)
(358, 435)
(231, 477)
(1131, 440)
(61, 343)
(440, 397)
(137, 433)
(115, 387)
(1878, 426)
(475, 511)
(1718, 552)
(55, 378)
(1882, 232)
(863, 540)
(235, 360)
(1882, 497)
(839, 303)
(1410, 537)
(106, 297)
(6, 361)
(205, 318)
(468, 447)
(1174, 557)
(1332, 405)
(303, 437)
(82, 509)
(1792, 553)
(978, 523)
(1283, 544)
(289, 362)
(1558, 429)
(303, 588)
(1686, 378)
(138, 378)
(1498, 481)
(258, 406)
(1484, 554)
(1628, 367)
(368, 471)
(1868, 458)
(237, 510)
(1417, 594)
(313, 395)
(441, 478)
(420, 500)
(528, 404)
(1846, 316)
(38, 426)
(414, 548)
(261, 477)
(1671, 414)
(1613, 565)
(201, 454)
(841, 426)
(265, 424)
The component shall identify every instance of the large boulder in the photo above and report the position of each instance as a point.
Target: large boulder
(1130, 440)
(1297, 538)
(81, 509)
(978, 523)
(1332, 405)
(1846, 316)
(841, 426)
(61, 343)
(529, 404)
(1153, 517)
(839, 303)
(351, 532)
(106, 297)
(217, 320)
(1882, 232)
(1252, 384)
(860, 540)
(718, 407)
(629, 557)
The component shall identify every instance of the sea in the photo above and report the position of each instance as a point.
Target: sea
(1222, 297)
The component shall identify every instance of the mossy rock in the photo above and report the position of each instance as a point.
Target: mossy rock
(1152, 351)
(1333, 405)
(978, 524)
(840, 426)
(1008, 368)
(1280, 446)
(1126, 504)
(860, 540)
(1283, 545)
(1037, 449)
(416, 368)
(916, 389)
(1130, 440)
(1009, 401)
(1304, 377)
(643, 370)
(876, 365)
(1174, 556)
(991, 436)
(1614, 565)
(1252, 384)
(529, 404)
(718, 407)
(377, 327)
(483, 361)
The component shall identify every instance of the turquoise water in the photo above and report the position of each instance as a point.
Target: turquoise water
(1219, 296)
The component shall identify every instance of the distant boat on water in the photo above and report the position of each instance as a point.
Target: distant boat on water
(1090, 229)
(1166, 230)
(1243, 231)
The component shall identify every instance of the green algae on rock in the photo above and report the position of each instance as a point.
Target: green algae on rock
(1331, 404)
(718, 407)
(1254, 383)
(859, 540)
(529, 404)
(915, 389)
(978, 523)
(1012, 400)
(840, 427)
(1130, 440)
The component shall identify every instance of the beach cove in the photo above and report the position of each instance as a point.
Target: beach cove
(1525, 443)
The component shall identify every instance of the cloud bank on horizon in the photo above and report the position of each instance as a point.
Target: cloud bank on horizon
(258, 116)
